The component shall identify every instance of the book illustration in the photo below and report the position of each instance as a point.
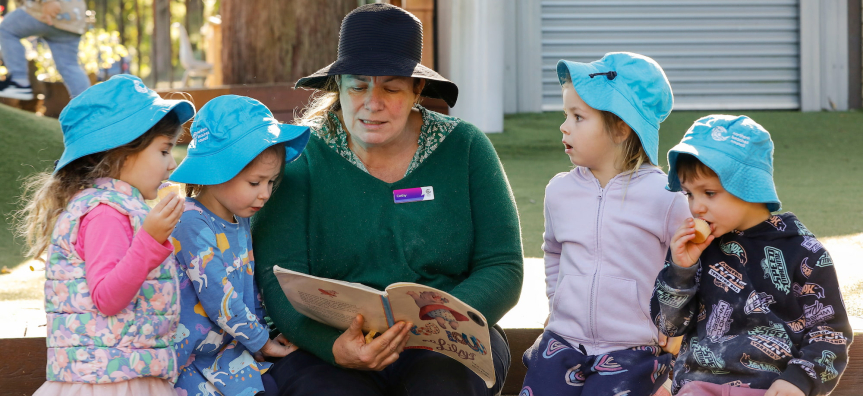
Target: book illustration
(432, 307)
(428, 329)
(441, 322)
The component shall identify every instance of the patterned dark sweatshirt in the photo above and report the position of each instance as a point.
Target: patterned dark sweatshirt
(760, 305)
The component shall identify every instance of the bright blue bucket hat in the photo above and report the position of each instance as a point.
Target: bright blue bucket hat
(738, 150)
(112, 114)
(631, 86)
(228, 133)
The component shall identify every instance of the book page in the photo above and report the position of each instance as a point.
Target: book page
(444, 324)
(333, 302)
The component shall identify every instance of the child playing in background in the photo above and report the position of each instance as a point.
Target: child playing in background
(60, 24)
(233, 163)
(111, 286)
(757, 302)
(608, 225)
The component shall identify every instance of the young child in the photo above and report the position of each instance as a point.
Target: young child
(607, 223)
(111, 284)
(758, 302)
(234, 160)
(58, 23)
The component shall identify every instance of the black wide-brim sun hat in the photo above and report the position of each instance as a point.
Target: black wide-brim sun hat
(383, 40)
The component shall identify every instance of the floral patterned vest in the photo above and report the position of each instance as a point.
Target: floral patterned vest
(83, 344)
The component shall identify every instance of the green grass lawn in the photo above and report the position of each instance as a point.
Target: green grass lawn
(818, 165)
(28, 143)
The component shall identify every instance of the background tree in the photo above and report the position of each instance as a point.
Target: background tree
(268, 41)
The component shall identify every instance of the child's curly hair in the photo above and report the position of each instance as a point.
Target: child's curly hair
(47, 195)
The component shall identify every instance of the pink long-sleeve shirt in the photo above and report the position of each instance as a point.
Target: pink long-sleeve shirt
(116, 259)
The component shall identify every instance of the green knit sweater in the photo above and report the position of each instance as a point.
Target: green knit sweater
(328, 218)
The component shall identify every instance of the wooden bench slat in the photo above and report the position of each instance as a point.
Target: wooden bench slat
(23, 360)
(22, 365)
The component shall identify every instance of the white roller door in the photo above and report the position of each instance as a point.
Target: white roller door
(731, 54)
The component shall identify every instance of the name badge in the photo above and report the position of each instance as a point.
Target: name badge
(413, 194)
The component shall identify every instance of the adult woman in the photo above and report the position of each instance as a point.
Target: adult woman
(335, 215)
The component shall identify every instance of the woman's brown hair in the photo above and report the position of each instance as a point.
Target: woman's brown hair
(46, 195)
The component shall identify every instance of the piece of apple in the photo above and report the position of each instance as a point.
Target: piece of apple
(702, 231)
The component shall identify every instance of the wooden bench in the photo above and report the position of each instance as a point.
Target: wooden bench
(23, 360)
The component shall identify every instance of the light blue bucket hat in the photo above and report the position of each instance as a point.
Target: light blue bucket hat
(631, 86)
(738, 150)
(228, 133)
(112, 114)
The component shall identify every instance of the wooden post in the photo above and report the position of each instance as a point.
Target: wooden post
(424, 11)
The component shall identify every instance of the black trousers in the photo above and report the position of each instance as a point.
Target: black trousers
(416, 372)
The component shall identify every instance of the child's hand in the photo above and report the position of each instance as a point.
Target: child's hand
(50, 9)
(783, 388)
(670, 344)
(160, 222)
(278, 347)
(684, 253)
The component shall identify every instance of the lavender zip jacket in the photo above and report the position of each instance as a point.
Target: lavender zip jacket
(603, 249)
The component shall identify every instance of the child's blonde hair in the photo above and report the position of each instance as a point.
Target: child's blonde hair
(633, 152)
(46, 195)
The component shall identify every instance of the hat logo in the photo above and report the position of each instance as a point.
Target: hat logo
(140, 87)
(199, 136)
(719, 134)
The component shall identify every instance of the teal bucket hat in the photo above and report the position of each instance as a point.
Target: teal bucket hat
(738, 150)
(228, 133)
(112, 114)
(631, 86)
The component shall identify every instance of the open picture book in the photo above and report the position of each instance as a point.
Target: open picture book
(442, 323)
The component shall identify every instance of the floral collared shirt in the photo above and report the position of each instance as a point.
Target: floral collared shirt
(435, 128)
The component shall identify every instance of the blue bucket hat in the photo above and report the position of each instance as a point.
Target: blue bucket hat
(112, 114)
(631, 86)
(228, 133)
(738, 150)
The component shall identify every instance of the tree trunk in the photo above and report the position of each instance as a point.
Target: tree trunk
(103, 14)
(139, 31)
(121, 22)
(194, 20)
(161, 42)
(268, 41)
